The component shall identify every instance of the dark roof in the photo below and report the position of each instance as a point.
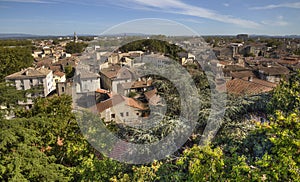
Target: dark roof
(234, 68)
(242, 74)
(273, 70)
(111, 72)
(136, 84)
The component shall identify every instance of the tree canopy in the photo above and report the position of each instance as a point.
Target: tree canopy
(153, 45)
(75, 47)
(13, 59)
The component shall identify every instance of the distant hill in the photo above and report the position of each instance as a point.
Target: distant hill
(24, 36)
(16, 35)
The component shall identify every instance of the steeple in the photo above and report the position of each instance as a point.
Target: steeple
(75, 38)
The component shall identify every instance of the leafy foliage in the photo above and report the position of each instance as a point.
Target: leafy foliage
(286, 96)
(75, 47)
(153, 45)
(13, 59)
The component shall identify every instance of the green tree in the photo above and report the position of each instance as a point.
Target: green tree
(13, 59)
(282, 161)
(21, 158)
(285, 96)
(75, 47)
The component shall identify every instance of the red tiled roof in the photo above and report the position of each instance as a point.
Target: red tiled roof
(134, 103)
(59, 73)
(117, 99)
(245, 87)
(102, 91)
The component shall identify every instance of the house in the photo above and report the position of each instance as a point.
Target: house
(58, 77)
(30, 78)
(272, 73)
(86, 81)
(37, 53)
(135, 86)
(114, 75)
(253, 50)
(122, 109)
(242, 74)
(47, 50)
(64, 88)
(114, 58)
(233, 68)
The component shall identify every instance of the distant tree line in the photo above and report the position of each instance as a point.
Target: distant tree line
(15, 43)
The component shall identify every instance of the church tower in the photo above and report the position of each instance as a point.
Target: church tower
(75, 38)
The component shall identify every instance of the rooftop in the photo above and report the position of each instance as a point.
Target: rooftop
(273, 70)
(30, 73)
(59, 73)
(111, 72)
(117, 99)
(242, 86)
(85, 74)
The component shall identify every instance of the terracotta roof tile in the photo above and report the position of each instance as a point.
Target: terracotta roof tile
(117, 99)
(102, 91)
(134, 103)
(245, 87)
(59, 73)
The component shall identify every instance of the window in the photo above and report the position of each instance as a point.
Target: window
(30, 81)
(137, 114)
(127, 113)
(121, 114)
(63, 89)
(113, 116)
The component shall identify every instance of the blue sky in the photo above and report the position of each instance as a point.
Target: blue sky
(63, 17)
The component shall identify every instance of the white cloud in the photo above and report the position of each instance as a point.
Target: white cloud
(278, 22)
(190, 20)
(226, 4)
(178, 7)
(295, 5)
